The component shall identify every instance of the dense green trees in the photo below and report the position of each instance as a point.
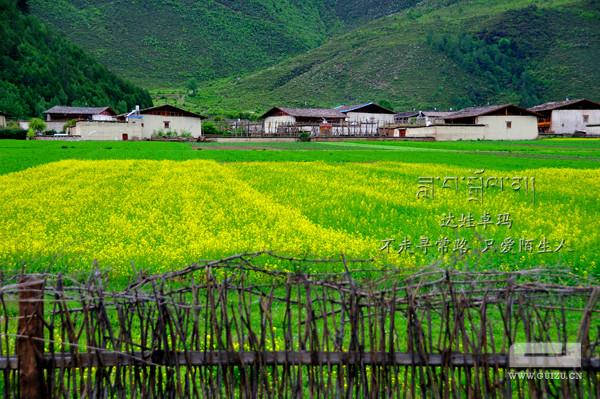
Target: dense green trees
(500, 62)
(39, 69)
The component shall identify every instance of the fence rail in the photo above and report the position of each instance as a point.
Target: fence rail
(287, 129)
(262, 325)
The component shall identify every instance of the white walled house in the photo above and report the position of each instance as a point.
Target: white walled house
(166, 118)
(368, 113)
(57, 116)
(143, 124)
(568, 117)
(2, 120)
(280, 117)
(500, 122)
(107, 131)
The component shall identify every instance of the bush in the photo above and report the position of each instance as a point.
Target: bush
(70, 123)
(304, 136)
(37, 125)
(158, 134)
(13, 134)
(13, 125)
(210, 128)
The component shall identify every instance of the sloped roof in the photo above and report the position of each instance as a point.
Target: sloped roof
(481, 111)
(437, 114)
(352, 108)
(60, 109)
(408, 114)
(171, 108)
(434, 114)
(551, 106)
(308, 113)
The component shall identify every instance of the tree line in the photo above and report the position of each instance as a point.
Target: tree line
(498, 61)
(39, 69)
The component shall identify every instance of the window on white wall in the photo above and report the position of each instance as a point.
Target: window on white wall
(167, 124)
(586, 118)
(509, 124)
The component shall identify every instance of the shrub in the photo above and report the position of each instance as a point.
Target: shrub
(304, 136)
(210, 128)
(13, 134)
(37, 125)
(158, 134)
(13, 125)
(71, 123)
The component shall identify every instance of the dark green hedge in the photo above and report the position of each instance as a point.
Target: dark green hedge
(13, 134)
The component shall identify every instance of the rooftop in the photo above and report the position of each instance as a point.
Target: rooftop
(481, 111)
(308, 113)
(64, 110)
(173, 109)
(374, 108)
(550, 106)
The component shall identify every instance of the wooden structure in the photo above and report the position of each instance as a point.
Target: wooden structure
(281, 116)
(239, 327)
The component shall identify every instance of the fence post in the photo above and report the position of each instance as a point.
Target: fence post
(30, 345)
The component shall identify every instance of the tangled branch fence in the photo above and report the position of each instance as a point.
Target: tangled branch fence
(240, 327)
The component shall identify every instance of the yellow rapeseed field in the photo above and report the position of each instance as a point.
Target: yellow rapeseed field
(160, 215)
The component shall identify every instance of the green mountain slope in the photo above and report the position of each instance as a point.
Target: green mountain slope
(39, 68)
(468, 52)
(161, 43)
(156, 42)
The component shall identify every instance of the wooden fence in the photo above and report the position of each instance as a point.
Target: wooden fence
(284, 129)
(262, 325)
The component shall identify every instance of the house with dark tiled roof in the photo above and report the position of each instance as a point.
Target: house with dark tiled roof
(496, 122)
(57, 116)
(282, 117)
(569, 116)
(143, 124)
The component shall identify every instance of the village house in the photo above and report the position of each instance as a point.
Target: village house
(569, 117)
(279, 119)
(166, 118)
(142, 124)
(2, 120)
(57, 116)
(405, 118)
(367, 113)
(498, 122)
(424, 118)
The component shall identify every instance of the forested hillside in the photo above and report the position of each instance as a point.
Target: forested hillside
(249, 55)
(39, 68)
(436, 55)
(163, 43)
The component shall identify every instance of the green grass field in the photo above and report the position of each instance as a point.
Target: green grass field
(163, 205)
(572, 153)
